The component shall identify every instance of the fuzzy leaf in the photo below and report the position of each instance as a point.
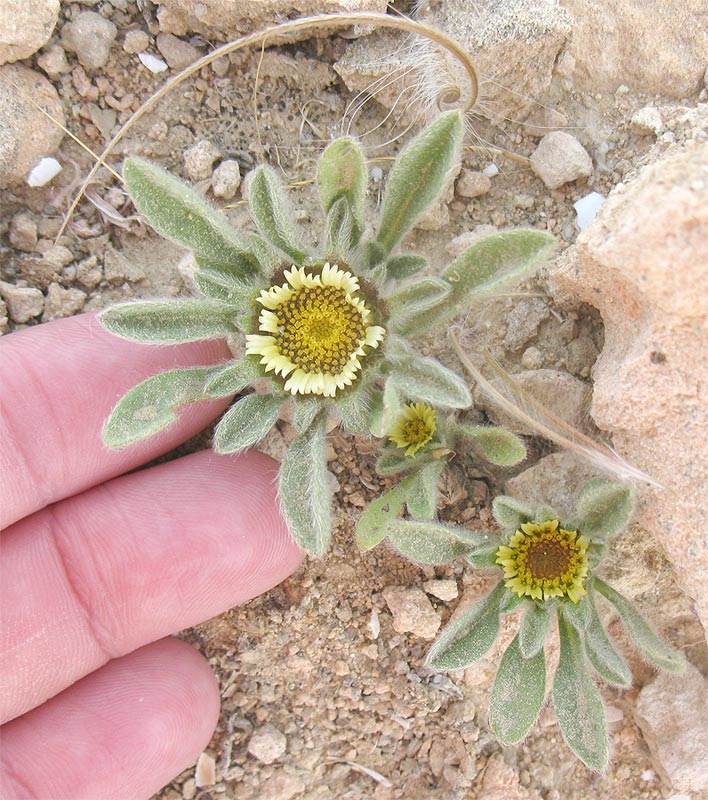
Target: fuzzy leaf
(603, 655)
(419, 295)
(403, 266)
(354, 407)
(306, 490)
(545, 513)
(535, 625)
(339, 232)
(228, 283)
(578, 704)
(306, 409)
(511, 601)
(342, 175)
(422, 501)
(234, 377)
(169, 321)
(372, 524)
(510, 513)
(269, 207)
(246, 422)
(177, 212)
(422, 378)
(487, 266)
(418, 177)
(518, 693)
(431, 542)
(394, 462)
(385, 409)
(649, 643)
(578, 614)
(498, 445)
(469, 637)
(150, 406)
(485, 556)
(604, 508)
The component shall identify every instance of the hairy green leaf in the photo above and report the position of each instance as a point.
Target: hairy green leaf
(498, 445)
(510, 601)
(234, 377)
(518, 693)
(150, 406)
(393, 462)
(385, 409)
(419, 294)
(372, 524)
(485, 267)
(510, 513)
(354, 406)
(603, 655)
(470, 636)
(422, 378)
(578, 614)
(269, 207)
(578, 704)
(431, 542)
(604, 508)
(403, 266)
(649, 643)
(305, 489)
(485, 556)
(306, 409)
(246, 422)
(177, 212)
(535, 625)
(169, 321)
(422, 501)
(342, 175)
(339, 232)
(418, 177)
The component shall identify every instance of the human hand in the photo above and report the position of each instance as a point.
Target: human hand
(96, 566)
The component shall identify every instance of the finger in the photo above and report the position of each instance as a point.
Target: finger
(59, 383)
(126, 563)
(124, 731)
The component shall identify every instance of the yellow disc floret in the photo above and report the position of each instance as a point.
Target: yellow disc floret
(543, 560)
(414, 428)
(314, 330)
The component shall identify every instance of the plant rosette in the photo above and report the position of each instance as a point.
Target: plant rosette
(422, 442)
(326, 330)
(549, 564)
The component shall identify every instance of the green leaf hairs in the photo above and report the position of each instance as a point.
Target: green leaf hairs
(325, 331)
(549, 563)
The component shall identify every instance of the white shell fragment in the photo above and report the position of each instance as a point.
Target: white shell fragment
(491, 170)
(43, 171)
(153, 63)
(205, 773)
(587, 208)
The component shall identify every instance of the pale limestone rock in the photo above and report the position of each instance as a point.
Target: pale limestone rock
(672, 36)
(229, 19)
(472, 184)
(647, 121)
(226, 179)
(90, 36)
(501, 782)
(53, 61)
(642, 263)
(559, 159)
(61, 302)
(672, 712)
(25, 25)
(23, 232)
(136, 41)
(412, 612)
(26, 135)
(503, 36)
(23, 303)
(198, 160)
(177, 53)
(444, 590)
(267, 744)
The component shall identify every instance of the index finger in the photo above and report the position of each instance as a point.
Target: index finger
(59, 383)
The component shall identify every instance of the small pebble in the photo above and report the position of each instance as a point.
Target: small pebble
(61, 302)
(267, 744)
(135, 42)
(23, 232)
(491, 170)
(153, 63)
(647, 121)
(587, 209)
(177, 54)
(90, 36)
(53, 61)
(444, 590)
(226, 180)
(411, 611)
(199, 159)
(23, 303)
(205, 772)
(473, 184)
(560, 159)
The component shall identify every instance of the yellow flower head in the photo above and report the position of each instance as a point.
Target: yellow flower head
(414, 428)
(314, 330)
(543, 560)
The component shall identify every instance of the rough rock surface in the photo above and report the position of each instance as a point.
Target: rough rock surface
(412, 612)
(25, 25)
(90, 36)
(674, 49)
(646, 273)
(672, 712)
(227, 19)
(26, 135)
(560, 158)
(504, 38)
(22, 302)
(267, 744)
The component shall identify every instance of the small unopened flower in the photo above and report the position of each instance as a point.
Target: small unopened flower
(543, 560)
(414, 428)
(314, 330)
